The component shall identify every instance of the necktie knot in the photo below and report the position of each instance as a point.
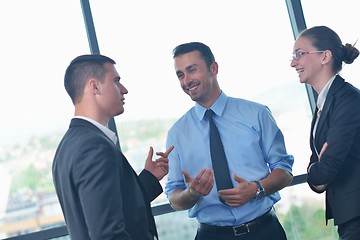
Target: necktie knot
(209, 113)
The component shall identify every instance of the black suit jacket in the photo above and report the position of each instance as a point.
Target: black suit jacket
(100, 194)
(339, 166)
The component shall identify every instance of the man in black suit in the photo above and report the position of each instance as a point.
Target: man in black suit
(100, 194)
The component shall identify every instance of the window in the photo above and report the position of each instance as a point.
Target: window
(251, 44)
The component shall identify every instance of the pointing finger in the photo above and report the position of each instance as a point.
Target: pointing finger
(165, 155)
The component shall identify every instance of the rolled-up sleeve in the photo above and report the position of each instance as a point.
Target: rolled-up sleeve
(273, 143)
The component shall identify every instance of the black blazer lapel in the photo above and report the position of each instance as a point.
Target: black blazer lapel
(76, 122)
(312, 130)
(336, 85)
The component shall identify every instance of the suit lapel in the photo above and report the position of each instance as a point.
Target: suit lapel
(75, 122)
(336, 85)
(313, 121)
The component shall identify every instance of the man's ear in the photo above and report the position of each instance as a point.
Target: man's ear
(94, 86)
(214, 68)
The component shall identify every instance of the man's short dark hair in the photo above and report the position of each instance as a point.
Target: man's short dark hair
(204, 50)
(80, 70)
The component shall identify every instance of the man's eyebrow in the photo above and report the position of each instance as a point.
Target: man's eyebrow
(191, 66)
(187, 68)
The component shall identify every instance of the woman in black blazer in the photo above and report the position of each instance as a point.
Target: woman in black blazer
(335, 130)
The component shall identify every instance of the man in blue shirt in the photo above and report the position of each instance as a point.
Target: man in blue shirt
(254, 147)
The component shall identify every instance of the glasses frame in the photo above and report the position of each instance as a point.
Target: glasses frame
(298, 54)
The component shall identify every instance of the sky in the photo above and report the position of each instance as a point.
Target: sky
(252, 46)
(37, 47)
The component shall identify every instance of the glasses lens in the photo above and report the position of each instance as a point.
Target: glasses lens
(297, 55)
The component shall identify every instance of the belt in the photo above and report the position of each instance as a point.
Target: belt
(240, 229)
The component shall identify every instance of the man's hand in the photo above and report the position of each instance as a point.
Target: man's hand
(160, 167)
(241, 194)
(202, 184)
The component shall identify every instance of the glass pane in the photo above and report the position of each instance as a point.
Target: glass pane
(176, 226)
(38, 40)
(253, 61)
(302, 214)
(251, 45)
(344, 19)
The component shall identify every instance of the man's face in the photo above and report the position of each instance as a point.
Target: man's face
(111, 99)
(195, 78)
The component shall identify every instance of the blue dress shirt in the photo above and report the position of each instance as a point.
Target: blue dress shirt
(253, 144)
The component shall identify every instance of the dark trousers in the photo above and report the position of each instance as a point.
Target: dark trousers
(272, 230)
(350, 230)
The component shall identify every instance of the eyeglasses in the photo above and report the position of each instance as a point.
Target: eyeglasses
(298, 54)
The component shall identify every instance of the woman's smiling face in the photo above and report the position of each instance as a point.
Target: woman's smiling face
(307, 60)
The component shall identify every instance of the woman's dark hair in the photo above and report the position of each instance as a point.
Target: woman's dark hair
(324, 38)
